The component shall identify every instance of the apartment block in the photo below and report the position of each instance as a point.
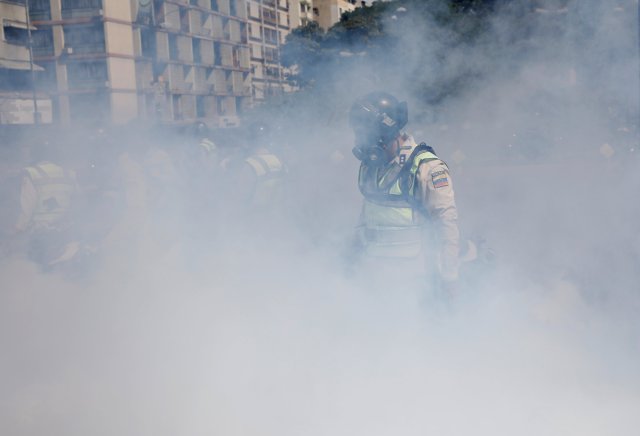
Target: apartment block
(20, 103)
(269, 24)
(328, 12)
(174, 61)
(193, 60)
(300, 13)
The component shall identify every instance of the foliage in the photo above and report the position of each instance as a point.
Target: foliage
(382, 37)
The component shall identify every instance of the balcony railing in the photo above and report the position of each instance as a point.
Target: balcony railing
(87, 82)
(43, 51)
(85, 48)
(82, 12)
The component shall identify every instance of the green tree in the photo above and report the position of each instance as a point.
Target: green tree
(382, 38)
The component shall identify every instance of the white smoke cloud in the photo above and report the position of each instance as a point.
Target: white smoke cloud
(243, 334)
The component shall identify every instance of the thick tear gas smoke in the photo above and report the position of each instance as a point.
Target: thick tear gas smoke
(186, 312)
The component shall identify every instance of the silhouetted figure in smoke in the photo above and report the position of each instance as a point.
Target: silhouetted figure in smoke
(254, 182)
(197, 158)
(101, 202)
(408, 224)
(48, 188)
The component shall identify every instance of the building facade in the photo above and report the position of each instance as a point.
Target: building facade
(120, 60)
(20, 101)
(328, 12)
(172, 61)
(301, 12)
(269, 24)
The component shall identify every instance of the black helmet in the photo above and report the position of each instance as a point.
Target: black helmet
(376, 120)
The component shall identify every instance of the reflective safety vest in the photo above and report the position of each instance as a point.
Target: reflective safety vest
(270, 172)
(54, 187)
(208, 146)
(392, 217)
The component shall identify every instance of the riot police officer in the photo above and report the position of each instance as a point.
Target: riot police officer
(408, 220)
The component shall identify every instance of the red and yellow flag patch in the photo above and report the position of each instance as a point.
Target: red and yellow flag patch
(440, 179)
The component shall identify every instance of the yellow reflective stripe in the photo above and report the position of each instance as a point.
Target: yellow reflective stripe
(387, 221)
(395, 189)
(264, 164)
(421, 157)
(273, 163)
(48, 172)
(259, 168)
(34, 174)
(208, 145)
(376, 215)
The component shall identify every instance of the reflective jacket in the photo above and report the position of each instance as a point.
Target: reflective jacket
(270, 172)
(392, 217)
(54, 188)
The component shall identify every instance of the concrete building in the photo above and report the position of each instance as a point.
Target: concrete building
(119, 60)
(300, 13)
(175, 61)
(269, 24)
(328, 12)
(20, 102)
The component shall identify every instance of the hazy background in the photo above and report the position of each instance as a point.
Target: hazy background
(267, 336)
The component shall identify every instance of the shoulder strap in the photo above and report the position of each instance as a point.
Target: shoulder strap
(422, 153)
(402, 174)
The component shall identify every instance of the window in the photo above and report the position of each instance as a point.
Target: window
(184, 19)
(220, 106)
(80, 8)
(217, 54)
(235, 56)
(89, 106)
(16, 80)
(85, 38)
(16, 33)
(233, 8)
(239, 105)
(40, 9)
(271, 71)
(42, 42)
(243, 33)
(271, 54)
(269, 16)
(271, 36)
(195, 46)
(148, 42)
(87, 74)
(226, 30)
(81, 4)
(214, 5)
(173, 47)
(46, 79)
(176, 105)
(200, 106)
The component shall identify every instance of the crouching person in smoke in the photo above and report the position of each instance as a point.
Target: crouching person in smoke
(407, 232)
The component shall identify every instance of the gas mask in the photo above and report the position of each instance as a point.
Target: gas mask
(371, 146)
(376, 120)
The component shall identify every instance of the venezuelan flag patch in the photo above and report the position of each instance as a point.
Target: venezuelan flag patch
(440, 179)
